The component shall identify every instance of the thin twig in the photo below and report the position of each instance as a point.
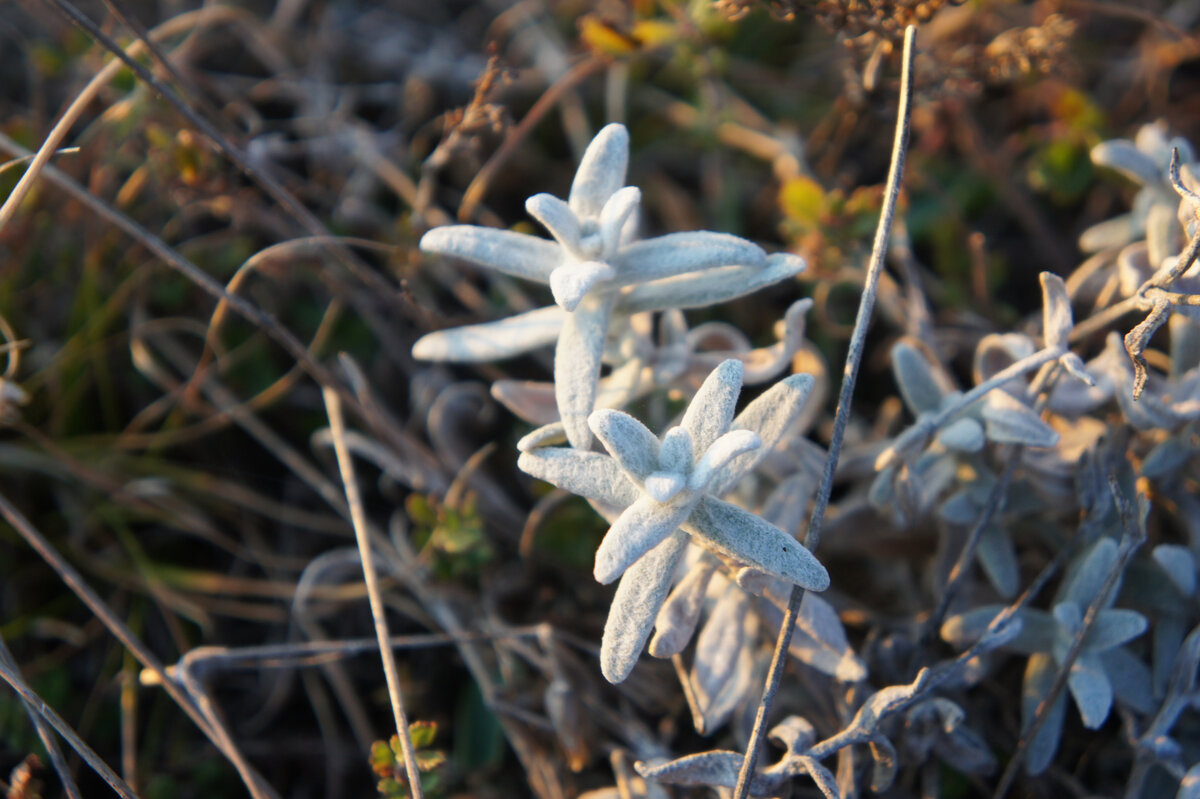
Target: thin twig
(842, 415)
(374, 596)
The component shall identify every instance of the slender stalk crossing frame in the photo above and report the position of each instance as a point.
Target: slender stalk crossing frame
(849, 376)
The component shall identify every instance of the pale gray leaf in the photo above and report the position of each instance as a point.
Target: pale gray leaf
(796, 734)
(663, 486)
(631, 444)
(718, 645)
(570, 282)
(529, 400)
(680, 253)
(617, 216)
(1131, 679)
(557, 217)
(1113, 627)
(1169, 632)
(1010, 421)
(770, 415)
(713, 769)
(998, 558)
(711, 286)
(918, 386)
(588, 474)
(959, 508)
(883, 773)
(1036, 634)
(676, 621)
(1091, 690)
(710, 412)
(962, 435)
(548, 435)
(965, 751)
(639, 528)
(1180, 565)
(1124, 156)
(492, 341)
(503, 250)
(717, 457)
(601, 171)
(739, 534)
(735, 691)
(1108, 234)
(577, 365)
(640, 594)
(1039, 676)
(1057, 320)
(820, 641)
(1088, 578)
(1167, 458)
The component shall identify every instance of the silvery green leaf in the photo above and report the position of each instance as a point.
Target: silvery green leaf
(1077, 369)
(766, 363)
(529, 400)
(557, 217)
(959, 508)
(770, 415)
(601, 171)
(618, 218)
(1039, 677)
(713, 769)
(882, 493)
(1123, 156)
(718, 456)
(630, 443)
(680, 253)
(739, 684)
(965, 751)
(577, 365)
(962, 435)
(748, 539)
(997, 351)
(1036, 632)
(492, 341)
(820, 641)
(918, 386)
(1057, 320)
(886, 700)
(503, 250)
(588, 474)
(1189, 786)
(1130, 677)
(1162, 240)
(998, 557)
(1134, 267)
(1168, 458)
(1009, 421)
(677, 618)
(883, 773)
(1108, 234)
(663, 486)
(1087, 579)
(1169, 632)
(640, 594)
(1185, 344)
(710, 412)
(640, 527)
(1113, 627)
(712, 286)
(571, 281)
(1091, 690)
(547, 435)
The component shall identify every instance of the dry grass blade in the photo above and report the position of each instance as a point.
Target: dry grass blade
(378, 611)
(849, 375)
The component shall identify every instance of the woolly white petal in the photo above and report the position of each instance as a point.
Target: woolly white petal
(771, 415)
(640, 594)
(493, 340)
(588, 474)
(577, 365)
(711, 286)
(557, 217)
(639, 529)
(601, 170)
(619, 209)
(512, 253)
(717, 456)
(709, 413)
(678, 253)
(741, 535)
(634, 447)
(571, 281)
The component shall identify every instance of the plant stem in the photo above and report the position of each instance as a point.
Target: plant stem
(842, 415)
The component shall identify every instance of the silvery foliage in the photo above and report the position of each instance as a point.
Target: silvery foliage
(595, 267)
(916, 469)
(661, 493)
(676, 358)
(1104, 668)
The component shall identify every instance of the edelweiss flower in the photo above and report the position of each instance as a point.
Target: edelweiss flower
(658, 492)
(593, 266)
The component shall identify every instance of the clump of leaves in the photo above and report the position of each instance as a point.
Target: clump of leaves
(449, 536)
(387, 760)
